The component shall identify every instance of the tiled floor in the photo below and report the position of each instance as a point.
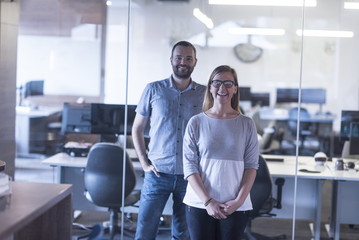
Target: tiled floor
(32, 170)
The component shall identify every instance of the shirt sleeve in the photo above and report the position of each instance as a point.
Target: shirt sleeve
(251, 154)
(144, 105)
(190, 150)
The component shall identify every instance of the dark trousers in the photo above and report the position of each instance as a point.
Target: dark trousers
(202, 226)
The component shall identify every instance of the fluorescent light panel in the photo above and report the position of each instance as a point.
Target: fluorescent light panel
(283, 3)
(351, 5)
(257, 31)
(203, 18)
(325, 33)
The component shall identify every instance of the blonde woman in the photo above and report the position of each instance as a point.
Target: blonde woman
(220, 158)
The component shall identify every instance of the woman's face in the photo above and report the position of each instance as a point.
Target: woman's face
(223, 87)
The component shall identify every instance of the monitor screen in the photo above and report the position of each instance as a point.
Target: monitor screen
(244, 93)
(314, 95)
(76, 118)
(287, 95)
(354, 139)
(261, 99)
(110, 118)
(347, 118)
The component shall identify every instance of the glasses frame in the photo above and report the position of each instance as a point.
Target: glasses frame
(226, 83)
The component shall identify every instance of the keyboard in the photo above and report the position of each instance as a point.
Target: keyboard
(274, 159)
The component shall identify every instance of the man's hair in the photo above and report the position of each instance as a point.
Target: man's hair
(184, 44)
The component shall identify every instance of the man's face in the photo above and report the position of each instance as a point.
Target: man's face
(183, 61)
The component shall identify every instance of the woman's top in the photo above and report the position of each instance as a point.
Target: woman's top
(219, 150)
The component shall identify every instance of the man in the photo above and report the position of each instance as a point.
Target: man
(168, 104)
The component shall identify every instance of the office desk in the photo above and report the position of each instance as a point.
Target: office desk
(71, 170)
(30, 122)
(345, 198)
(309, 188)
(37, 211)
(282, 114)
(321, 125)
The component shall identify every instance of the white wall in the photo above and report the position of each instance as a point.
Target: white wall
(71, 66)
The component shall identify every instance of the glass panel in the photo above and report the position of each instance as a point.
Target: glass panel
(329, 63)
(59, 60)
(264, 63)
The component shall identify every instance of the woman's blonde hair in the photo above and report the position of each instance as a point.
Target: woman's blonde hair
(208, 98)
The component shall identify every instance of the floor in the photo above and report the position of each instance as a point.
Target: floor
(32, 170)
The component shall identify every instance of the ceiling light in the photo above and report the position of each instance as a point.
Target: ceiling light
(283, 3)
(203, 18)
(351, 5)
(325, 33)
(257, 31)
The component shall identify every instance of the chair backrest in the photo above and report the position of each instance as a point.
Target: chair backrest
(34, 88)
(293, 116)
(103, 175)
(261, 192)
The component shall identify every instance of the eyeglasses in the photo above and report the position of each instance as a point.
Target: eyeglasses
(226, 83)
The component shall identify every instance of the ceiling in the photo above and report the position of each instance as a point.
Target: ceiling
(58, 17)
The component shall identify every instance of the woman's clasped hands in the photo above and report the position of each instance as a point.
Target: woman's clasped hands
(217, 210)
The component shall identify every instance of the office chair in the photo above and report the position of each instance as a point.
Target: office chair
(262, 200)
(34, 88)
(104, 179)
(304, 127)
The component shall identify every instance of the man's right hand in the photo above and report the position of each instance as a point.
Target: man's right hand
(151, 168)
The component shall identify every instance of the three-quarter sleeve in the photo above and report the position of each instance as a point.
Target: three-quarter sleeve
(251, 153)
(190, 150)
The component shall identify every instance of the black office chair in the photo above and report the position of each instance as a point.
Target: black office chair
(263, 201)
(103, 181)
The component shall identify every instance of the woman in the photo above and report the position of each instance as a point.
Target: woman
(220, 155)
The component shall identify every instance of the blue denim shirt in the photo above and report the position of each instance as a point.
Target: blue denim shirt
(169, 111)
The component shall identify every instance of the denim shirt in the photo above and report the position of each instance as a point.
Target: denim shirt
(169, 111)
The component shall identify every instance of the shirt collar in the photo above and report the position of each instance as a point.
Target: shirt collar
(192, 85)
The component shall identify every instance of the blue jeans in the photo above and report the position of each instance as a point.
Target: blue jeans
(154, 195)
(202, 226)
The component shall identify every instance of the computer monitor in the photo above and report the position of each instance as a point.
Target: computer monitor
(347, 118)
(261, 99)
(287, 95)
(76, 118)
(34, 88)
(354, 139)
(110, 118)
(313, 95)
(245, 93)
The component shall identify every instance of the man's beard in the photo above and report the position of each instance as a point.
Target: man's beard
(181, 74)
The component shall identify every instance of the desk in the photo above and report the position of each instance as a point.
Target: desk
(37, 211)
(70, 170)
(29, 124)
(309, 186)
(345, 198)
(308, 202)
(282, 114)
(321, 125)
